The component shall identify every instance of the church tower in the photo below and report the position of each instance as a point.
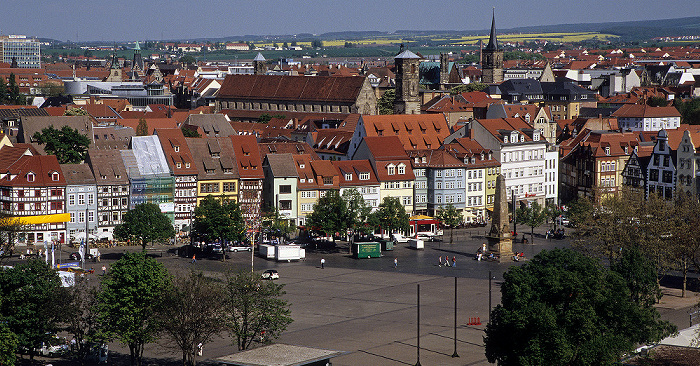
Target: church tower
(444, 71)
(407, 99)
(137, 63)
(115, 71)
(492, 58)
(259, 67)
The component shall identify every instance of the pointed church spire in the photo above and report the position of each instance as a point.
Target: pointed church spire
(493, 43)
(137, 47)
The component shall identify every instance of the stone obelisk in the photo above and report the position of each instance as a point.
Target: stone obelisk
(499, 238)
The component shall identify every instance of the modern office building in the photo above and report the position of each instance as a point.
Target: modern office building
(21, 51)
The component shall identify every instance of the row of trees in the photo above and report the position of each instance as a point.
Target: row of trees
(664, 230)
(137, 303)
(334, 213)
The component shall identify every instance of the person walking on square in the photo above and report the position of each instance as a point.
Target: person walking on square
(323, 263)
(440, 261)
(396, 262)
(194, 258)
(454, 261)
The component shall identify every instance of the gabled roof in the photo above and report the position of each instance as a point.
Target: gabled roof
(212, 125)
(352, 169)
(415, 131)
(281, 165)
(499, 127)
(176, 151)
(443, 159)
(247, 155)
(208, 167)
(107, 167)
(31, 125)
(149, 157)
(327, 89)
(152, 123)
(645, 111)
(111, 137)
(385, 147)
(78, 174)
(286, 147)
(40, 167)
(406, 54)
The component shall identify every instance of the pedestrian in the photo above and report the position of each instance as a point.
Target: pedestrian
(104, 270)
(447, 261)
(323, 263)
(454, 261)
(200, 349)
(396, 262)
(440, 261)
(194, 258)
(99, 256)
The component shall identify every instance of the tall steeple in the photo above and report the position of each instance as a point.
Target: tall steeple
(407, 96)
(493, 42)
(492, 58)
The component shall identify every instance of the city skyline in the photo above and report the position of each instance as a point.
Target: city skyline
(130, 20)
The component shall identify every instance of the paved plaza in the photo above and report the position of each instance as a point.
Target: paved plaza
(367, 308)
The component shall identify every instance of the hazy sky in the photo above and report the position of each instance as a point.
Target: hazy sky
(122, 20)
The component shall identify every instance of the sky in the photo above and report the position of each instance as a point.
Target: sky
(128, 20)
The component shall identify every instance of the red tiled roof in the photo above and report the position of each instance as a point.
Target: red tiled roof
(355, 167)
(43, 167)
(385, 147)
(152, 123)
(170, 138)
(247, 155)
(645, 111)
(415, 131)
(292, 88)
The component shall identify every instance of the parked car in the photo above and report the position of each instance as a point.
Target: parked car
(398, 238)
(270, 274)
(239, 247)
(216, 249)
(427, 236)
(563, 221)
(54, 347)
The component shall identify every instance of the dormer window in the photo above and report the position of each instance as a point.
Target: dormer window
(103, 177)
(31, 177)
(348, 176)
(536, 136)
(505, 139)
(302, 166)
(178, 165)
(311, 180)
(118, 176)
(55, 176)
(187, 165)
(423, 159)
(402, 169)
(416, 160)
(607, 150)
(177, 148)
(522, 138)
(364, 176)
(626, 149)
(391, 169)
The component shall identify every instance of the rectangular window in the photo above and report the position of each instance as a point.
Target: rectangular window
(71, 200)
(81, 199)
(91, 199)
(56, 206)
(285, 189)
(91, 216)
(285, 205)
(124, 201)
(81, 216)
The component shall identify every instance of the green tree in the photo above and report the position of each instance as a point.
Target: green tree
(13, 94)
(357, 210)
(8, 346)
(275, 224)
(465, 88)
(194, 312)
(142, 127)
(316, 43)
(190, 132)
(9, 228)
(144, 224)
(81, 317)
(552, 212)
(391, 215)
(29, 307)
(256, 309)
(532, 216)
(188, 60)
(130, 300)
(4, 93)
(69, 145)
(683, 237)
(657, 102)
(51, 90)
(564, 308)
(329, 215)
(386, 102)
(449, 216)
(689, 110)
(75, 112)
(218, 219)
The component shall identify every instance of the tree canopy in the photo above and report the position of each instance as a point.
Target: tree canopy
(194, 312)
(468, 88)
(75, 112)
(385, 104)
(449, 216)
(532, 216)
(357, 210)
(391, 215)
(142, 127)
(218, 219)
(564, 308)
(132, 295)
(144, 224)
(256, 308)
(28, 307)
(329, 215)
(69, 145)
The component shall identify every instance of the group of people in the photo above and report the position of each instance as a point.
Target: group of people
(447, 261)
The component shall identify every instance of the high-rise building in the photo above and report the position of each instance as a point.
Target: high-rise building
(20, 51)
